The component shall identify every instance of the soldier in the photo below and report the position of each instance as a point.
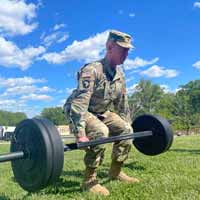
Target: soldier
(99, 108)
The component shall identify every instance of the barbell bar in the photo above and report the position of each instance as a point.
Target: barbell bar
(77, 146)
(103, 140)
(37, 151)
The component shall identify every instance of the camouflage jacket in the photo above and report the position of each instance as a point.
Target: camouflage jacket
(99, 89)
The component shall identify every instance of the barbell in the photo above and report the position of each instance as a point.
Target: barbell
(37, 150)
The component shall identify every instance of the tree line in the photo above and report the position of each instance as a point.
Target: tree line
(11, 118)
(181, 108)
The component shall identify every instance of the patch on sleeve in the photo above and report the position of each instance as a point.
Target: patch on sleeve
(86, 84)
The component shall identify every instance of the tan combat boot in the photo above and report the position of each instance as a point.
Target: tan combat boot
(115, 173)
(91, 184)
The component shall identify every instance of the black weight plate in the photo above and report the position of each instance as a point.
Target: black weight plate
(161, 139)
(57, 149)
(33, 172)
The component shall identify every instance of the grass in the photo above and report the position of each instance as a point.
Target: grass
(174, 175)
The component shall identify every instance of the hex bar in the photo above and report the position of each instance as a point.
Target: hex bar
(74, 146)
(12, 156)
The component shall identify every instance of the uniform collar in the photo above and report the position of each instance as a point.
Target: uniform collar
(113, 74)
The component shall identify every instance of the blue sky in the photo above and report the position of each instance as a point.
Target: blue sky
(44, 43)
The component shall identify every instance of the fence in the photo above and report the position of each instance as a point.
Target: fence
(192, 131)
(7, 132)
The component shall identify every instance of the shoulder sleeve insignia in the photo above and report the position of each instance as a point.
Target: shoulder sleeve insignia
(86, 84)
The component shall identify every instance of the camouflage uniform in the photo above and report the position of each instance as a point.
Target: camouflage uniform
(99, 108)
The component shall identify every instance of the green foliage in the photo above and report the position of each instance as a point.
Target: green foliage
(186, 106)
(55, 115)
(173, 175)
(10, 118)
(181, 109)
(165, 107)
(146, 98)
(192, 90)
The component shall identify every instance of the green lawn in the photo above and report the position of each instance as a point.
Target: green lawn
(172, 175)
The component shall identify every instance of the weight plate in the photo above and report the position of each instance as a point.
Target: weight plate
(57, 149)
(33, 172)
(162, 137)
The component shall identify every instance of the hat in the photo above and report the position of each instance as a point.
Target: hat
(122, 39)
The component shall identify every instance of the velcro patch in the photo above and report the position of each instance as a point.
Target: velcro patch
(86, 84)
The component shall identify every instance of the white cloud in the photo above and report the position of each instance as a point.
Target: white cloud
(26, 89)
(14, 82)
(63, 38)
(157, 71)
(138, 62)
(167, 89)
(130, 79)
(61, 102)
(131, 15)
(7, 102)
(22, 86)
(121, 12)
(19, 106)
(87, 50)
(16, 94)
(134, 71)
(131, 89)
(57, 37)
(11, 104)
(39, 3)
(45, 89)
(36, 97)
(69, 90)
(16, 17)
(12, 56)
(42, 35)
(197, 64)
(196, 4)
(58, 26)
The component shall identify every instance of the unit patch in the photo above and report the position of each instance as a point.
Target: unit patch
(86, 84)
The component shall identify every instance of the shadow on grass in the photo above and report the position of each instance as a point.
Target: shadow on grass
(63, 186)
(72, 173)
(134, 166)
(3, 197)
(68, 184)
(26, 196)
(192, 151)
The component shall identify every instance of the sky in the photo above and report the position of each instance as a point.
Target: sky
(44, 43)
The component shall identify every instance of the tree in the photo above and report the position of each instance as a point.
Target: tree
(192, 90)
(11, 118)
(165, 107)
(186, 106)
(55, 115)
(145, 98)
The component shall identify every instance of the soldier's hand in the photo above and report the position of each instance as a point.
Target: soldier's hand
(82, 139)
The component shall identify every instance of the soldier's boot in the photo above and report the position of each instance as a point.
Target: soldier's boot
(115, 173)
(91, 184)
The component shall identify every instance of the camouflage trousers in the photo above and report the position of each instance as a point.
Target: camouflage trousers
(106, 124)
